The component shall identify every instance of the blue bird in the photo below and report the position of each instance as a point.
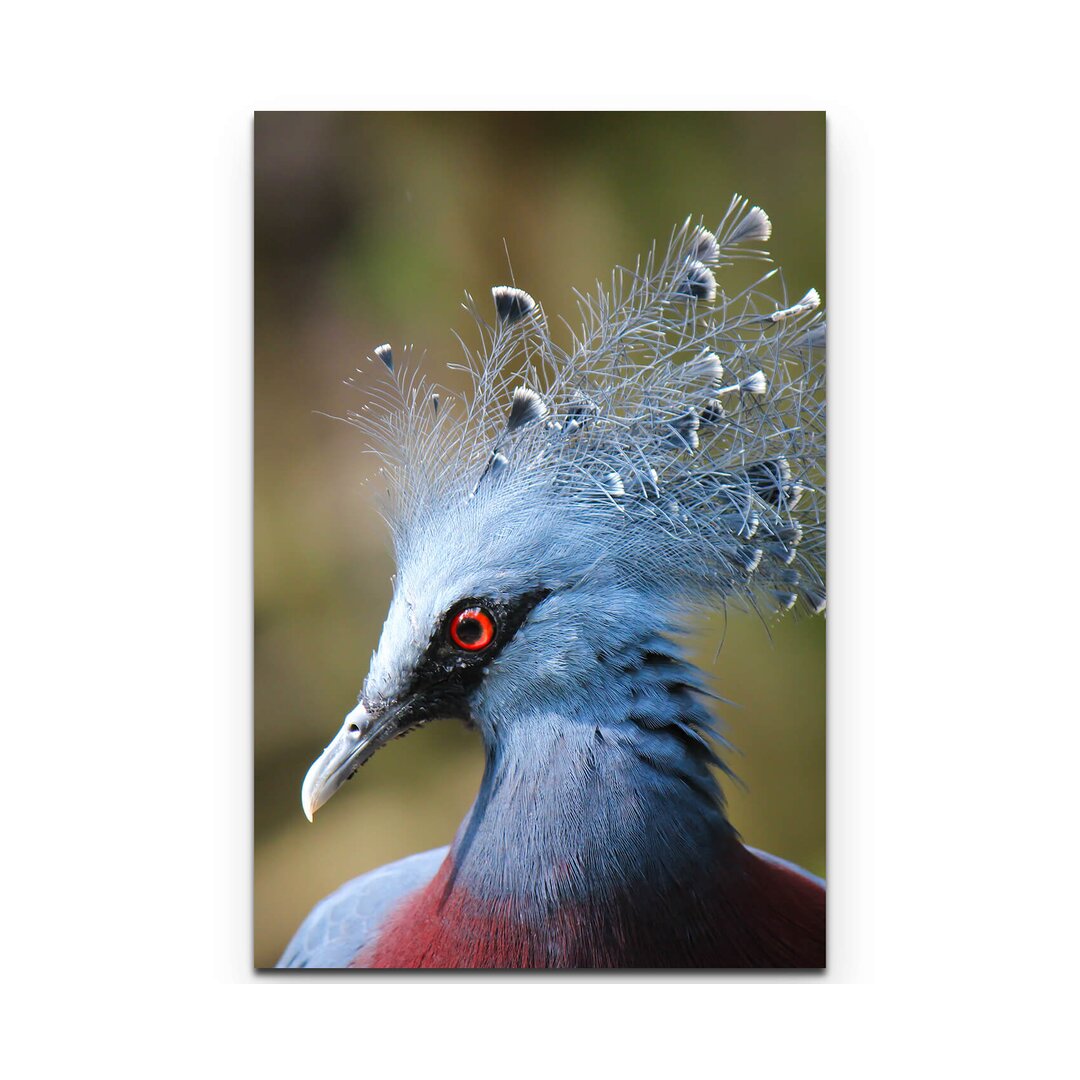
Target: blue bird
(553, 533)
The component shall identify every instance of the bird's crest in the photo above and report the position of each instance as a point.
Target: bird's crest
(679, 436)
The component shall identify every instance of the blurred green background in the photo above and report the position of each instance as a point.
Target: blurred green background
(368, 228)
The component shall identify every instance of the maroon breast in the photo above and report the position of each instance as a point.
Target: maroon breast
(750, 913)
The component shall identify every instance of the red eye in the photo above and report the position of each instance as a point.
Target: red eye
(472, 629)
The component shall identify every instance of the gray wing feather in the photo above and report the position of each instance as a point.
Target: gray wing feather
(339, 926)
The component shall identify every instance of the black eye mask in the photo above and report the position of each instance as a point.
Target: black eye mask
(446, 674)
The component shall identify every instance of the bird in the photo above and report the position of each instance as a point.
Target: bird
(555, 529)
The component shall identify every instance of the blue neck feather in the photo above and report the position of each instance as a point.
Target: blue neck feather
(599, 798)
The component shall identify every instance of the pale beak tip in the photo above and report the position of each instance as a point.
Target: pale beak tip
(309, 800)
(345, 754)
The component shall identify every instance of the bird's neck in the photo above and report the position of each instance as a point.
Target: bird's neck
(598, 838)
(573, 809)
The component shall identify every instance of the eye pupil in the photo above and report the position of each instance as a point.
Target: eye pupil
(472, 629)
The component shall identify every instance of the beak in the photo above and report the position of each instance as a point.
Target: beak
(360, 736)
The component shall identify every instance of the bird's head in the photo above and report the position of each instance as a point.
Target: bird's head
(493, 617)
(584, 498)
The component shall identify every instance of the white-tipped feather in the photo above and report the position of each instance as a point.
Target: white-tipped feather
(386, 355)
(755, 227)
(706, 368)
(683, 432)
(699, 283)
(748, 558)
(810, 301)
(527, 407)
(713, 412)
(750, 527)
(512, 304)
(706, 249)
(754, 384)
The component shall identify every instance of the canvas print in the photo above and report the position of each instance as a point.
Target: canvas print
(540, 469)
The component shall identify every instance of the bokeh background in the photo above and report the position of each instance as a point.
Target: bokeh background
(368, 228)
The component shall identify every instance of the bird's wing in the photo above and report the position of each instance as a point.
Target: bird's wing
(339, 926)
(785, 865)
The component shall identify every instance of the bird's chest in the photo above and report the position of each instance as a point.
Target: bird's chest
(755, 916)
(446, 925)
